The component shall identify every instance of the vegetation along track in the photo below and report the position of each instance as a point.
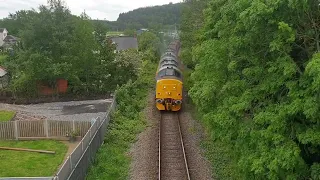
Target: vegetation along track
(172, 157)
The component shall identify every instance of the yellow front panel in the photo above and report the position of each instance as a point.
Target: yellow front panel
(169, 88)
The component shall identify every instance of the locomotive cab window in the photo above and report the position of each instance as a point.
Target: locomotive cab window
(162, 73)
(169, 72)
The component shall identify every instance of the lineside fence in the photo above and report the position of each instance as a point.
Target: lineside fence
(76, 166)
(20, 130)
(79, 161)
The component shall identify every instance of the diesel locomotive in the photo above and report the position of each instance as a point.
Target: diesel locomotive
(169, 86)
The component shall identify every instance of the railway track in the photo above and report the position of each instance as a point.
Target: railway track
(172, 157)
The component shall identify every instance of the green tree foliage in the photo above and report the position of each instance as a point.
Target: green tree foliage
(15, 22)
(192, 21)
(150, 43)
(257, 83)
(127, 65)
(55, 44)
(129, 32)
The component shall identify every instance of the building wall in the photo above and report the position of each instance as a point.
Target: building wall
(2, 36)
(4, 81)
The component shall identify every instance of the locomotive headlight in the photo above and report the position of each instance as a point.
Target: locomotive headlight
(160, 101)
(178, 102)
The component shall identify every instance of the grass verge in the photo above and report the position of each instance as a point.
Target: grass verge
(2, 58)
(114, 33)
(112, 160)
(6, 115)
(31, 164)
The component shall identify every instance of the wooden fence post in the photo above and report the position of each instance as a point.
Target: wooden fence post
(82, 146)
(46, 128)
(16, 134)
(73, 126)
(71, 162)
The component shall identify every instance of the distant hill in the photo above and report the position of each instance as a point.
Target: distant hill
(149, 17)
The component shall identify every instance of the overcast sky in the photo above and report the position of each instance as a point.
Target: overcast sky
(101, 9)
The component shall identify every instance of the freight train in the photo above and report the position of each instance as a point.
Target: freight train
(169, 86)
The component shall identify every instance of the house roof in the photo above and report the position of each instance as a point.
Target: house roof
(124, 43)
(3, 72)
(10, 37)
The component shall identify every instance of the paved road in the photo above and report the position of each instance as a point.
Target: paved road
(73, 110)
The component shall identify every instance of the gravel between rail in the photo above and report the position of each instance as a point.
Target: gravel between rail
(145, 151)
(172, 156)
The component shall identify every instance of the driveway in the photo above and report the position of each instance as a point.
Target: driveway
(73, 110)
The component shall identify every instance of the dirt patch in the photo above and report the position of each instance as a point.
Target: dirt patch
(72, 110)
(71, 147)
(145, 151)
(8, 99)
(24, 116)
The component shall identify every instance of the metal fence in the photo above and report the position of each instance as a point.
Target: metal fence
(76, 165)
(42, 128)
(78, 162)
(28, 178)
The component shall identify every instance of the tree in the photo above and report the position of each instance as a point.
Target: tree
(148, 41)
(127, 65)
(129, 32)
(55, 44)
(192, 21)
(256, 83)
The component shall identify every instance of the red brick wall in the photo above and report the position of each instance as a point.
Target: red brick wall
(62, 87)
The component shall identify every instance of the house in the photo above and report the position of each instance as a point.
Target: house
(3, 35)
(4, 78)
(140, 31)
(125, 42)
(6, 41)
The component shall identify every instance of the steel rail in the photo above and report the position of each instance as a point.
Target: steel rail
(182, 147)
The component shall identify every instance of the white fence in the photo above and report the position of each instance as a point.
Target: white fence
(42, 128)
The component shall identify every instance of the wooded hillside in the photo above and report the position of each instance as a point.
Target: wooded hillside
(155, 17)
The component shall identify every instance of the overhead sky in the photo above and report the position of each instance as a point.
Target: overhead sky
(96, 9)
